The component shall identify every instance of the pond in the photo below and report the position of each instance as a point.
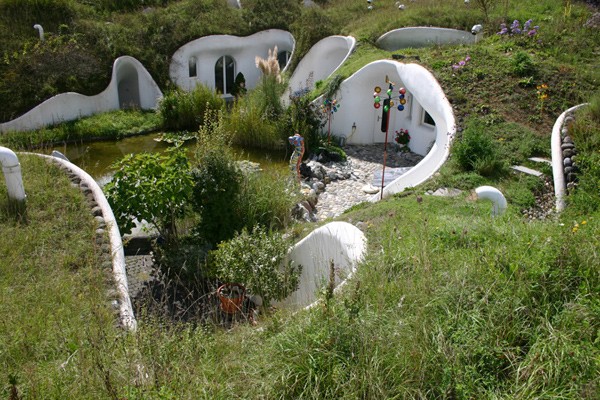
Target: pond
(97, 157)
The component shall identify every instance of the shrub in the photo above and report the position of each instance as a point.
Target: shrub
(151, 187)
(523, 65)
(216, 184)
(256, 259)
(182, 110)
(476, 152)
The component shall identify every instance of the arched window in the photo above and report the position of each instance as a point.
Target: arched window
(224, 74)
(192, 67)
(283, 57)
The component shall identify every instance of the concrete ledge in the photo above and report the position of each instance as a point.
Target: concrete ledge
(340, 242)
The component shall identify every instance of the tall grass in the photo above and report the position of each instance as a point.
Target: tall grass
(111, 125)
(53, 289)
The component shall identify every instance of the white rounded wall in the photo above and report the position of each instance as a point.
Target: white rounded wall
(339, 242)
(424, 97)
(131, 85)
(322, 60)
(416, 37)
(206, 51)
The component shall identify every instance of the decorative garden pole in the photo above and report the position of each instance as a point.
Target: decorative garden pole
(385, 117)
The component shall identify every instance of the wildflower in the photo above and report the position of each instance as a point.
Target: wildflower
(583, 222)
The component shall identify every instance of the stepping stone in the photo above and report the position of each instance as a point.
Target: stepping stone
(370, 189)
(526, 170)
(446, 192)
(390, 175)
(540, 160)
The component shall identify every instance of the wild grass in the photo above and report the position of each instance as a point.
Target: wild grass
(53, 289)
(450, 302)
(111, 125)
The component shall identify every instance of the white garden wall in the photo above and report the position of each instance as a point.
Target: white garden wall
(131, 86)
(206, 51)
(423, 94)
(322, 60)
(417, 37)
(341, 242)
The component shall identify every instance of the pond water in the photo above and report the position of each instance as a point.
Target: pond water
(96, 158)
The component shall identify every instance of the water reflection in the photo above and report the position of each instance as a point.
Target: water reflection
(96, 158)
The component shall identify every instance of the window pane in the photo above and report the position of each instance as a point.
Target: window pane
(219, 78)
(229, 74)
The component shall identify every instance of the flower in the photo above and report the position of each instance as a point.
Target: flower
(402, 136)
(516, 29)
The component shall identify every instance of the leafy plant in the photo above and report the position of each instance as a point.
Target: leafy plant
(256, 259)
(476, 152)
(523, 65)
(151, 187)
(216, 184)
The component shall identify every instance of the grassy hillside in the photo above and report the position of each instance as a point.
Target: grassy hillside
(450, 303)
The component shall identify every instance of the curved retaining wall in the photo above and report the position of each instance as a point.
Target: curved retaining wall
(207, 50)
(424, 95)
(87, 183)
(416, 37)
(558, 173)
(322, 60)
(131, 85)
(341, 242)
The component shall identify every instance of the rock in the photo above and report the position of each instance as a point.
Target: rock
(370, 189)
(568, 153)
(445, 192)
(567, 162)
(305, 170)
(566, 146)
(568, 170)
(97, 211)
(571, 177)
(567, 139)
(317, 170)
(593, 22)
(319, 186)
(306, 205)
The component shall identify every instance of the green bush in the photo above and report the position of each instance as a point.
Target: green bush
(256, 259)
(523, 65)
(477, 152)
(216, 184)
(182, 110)
(151, 187)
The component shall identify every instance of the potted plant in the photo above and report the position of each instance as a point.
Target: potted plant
(402, 138)
(231, 297)
(257, 260)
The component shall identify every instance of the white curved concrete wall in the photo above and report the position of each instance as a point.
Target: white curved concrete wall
(423, 94)
(341, 242)
(130, 86)
(116, 245)
(416, 37)
(322, 60)
(207, 50)
(558, 172)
